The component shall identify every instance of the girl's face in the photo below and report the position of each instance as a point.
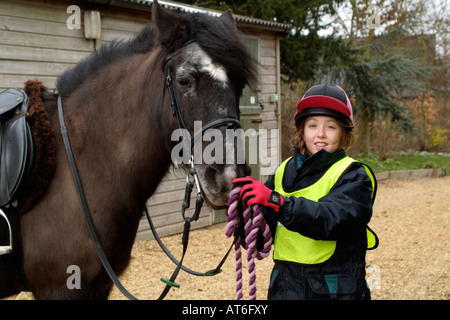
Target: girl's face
(322, 132)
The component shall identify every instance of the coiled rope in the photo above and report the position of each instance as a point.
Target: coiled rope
(253, 221)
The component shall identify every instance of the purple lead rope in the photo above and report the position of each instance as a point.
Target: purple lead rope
(253, 222)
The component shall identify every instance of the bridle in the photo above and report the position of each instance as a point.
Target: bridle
(176, 111)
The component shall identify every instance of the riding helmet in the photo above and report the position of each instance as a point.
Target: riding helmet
(325, 100)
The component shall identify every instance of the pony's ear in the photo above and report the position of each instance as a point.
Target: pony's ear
(172, 28)
(227, 18)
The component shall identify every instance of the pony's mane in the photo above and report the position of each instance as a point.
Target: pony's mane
(223, 44)
(216, 38)
(70, 79)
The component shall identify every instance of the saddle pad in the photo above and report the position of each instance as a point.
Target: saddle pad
(44, 161)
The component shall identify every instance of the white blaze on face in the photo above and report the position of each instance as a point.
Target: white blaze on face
(198, 60)
(215, 71)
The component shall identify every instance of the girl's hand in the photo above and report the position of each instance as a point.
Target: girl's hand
(255, 192)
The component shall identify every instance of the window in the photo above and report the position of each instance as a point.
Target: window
(250, 97)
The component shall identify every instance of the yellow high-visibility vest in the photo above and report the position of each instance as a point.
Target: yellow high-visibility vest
(294, 247)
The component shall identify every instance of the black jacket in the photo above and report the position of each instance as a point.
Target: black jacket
(342, 215)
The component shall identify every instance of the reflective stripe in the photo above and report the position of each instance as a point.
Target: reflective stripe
(292, 246)
(372, 239)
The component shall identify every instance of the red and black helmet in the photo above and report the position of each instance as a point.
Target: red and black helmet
(325, 100)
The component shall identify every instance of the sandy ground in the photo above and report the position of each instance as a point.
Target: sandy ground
(410, 217)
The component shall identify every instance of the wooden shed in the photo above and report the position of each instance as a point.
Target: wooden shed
(39, 39)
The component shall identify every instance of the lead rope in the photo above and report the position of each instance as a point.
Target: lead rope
(253, 221)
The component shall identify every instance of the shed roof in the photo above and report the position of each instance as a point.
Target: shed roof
(242, 21)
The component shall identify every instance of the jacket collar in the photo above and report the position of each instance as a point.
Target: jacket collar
(322, 160)
(305, 171)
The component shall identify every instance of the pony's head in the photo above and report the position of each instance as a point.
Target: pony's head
(209, 65)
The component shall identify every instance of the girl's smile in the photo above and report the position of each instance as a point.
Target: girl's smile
(322, 132)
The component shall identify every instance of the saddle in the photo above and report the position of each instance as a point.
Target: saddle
(16, 151)
(16, 143)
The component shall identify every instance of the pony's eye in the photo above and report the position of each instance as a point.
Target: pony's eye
(184, 83)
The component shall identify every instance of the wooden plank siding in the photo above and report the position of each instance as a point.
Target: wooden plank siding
(35, 43)
(269, 84)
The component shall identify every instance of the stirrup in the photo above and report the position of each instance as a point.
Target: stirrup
(6, 249)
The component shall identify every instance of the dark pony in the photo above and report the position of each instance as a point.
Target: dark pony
(119, 118)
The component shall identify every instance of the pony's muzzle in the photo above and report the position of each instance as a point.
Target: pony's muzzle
(218, 183)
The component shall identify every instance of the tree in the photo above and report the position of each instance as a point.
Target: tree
(376, 73)
(301, 51)
(363, 54)
(378, 82)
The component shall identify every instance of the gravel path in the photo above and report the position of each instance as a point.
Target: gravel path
(410, 217)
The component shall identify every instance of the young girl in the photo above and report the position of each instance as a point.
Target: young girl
(318, 203)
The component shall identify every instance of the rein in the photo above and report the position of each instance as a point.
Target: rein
(185, 238)
(185, 205)
(230, 122)
(84, 205)
(187, 221)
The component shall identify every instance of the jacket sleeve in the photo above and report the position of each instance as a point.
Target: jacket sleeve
(343, 211)
(269, 214)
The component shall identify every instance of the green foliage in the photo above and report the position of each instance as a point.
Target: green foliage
(438, 138)
(379, 72)
(303, 50)
(378, 78)
(408, 161)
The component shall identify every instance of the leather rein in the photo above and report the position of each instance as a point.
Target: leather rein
(176, 111)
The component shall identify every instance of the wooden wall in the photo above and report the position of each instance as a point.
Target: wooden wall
(35, 43)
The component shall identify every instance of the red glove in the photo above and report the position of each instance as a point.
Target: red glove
(255, 192)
